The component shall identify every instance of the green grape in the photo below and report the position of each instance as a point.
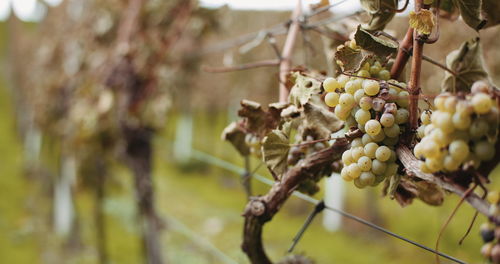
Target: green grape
(352, 86)
(357, 142)
(403, 99)
(366, 103)
(344, 173)
(354, 171)
(439, 102)
(359, 184)
(450, 164)
(425, 117)
(393, 94)
(383, 153)
(480, 87)
(362, 116)
(373, 127)
(384, 75)
(423, 167)
(478, 128)
(430, 149)
(358, 95)
(378, 167)
(449, 104)
(366, 139)
(357, 153)
(402, 116)
(331, 84)
(484, 150)
(428, 129)
(392, 169)
(464, 108)
(439, 137)
(434, 165)
(387, 120)
(346, 100)
(370, 149)
(375, 69)
(481, 103)
(459, 150)
(364, 73)
(378, 137)
(342, 113)
(393, 157)
(461, 121)
(392, 131)
(347, 157)
(342, 79)
(443, 121)
(366, 178)
(365, 163)
(418, 150)
(421, 131)
(371, 87)
(332, 99)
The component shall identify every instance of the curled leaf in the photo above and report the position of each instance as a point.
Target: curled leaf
(422, 21)
(275, 149)
(467, 63)
(352, 59)
(258, 121)
(303, 89)
(382, 12)
(379, 46)
(321, 120)
(236, 136)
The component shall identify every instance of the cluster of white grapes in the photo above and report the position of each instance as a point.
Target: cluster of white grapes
(377, 108)
(462, 130)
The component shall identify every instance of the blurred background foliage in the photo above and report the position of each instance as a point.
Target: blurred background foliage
(51, 80)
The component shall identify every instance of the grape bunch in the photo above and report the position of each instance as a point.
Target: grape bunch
(462, 130)
(377, 107)
(491, 233)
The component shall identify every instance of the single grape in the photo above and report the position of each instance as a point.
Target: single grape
(370, 149)
(357, 142)
(346, 100)
(332, 99)
(351, 87)
(423, 167)
(366, 139)
(341, 112)
(434, 165)
(421, 131)
(387, 120)
(357, 153)
(366, 103)
(373, 127)
(393, 94)
(371, 87)
(344, 173)
(478, 128)
(403, 99)
(459, 150)
(464, 107)
(384, 75)
(375, 69)
(392, 131)
(354, 171)
(378, 167)
(443, 121)
(480, 87)
(484, 150)
(418, 150)
(461, 121)
(439, 137)
(331, 84)
(347, 157)
(439, 102)
(342, 79)
(393, 157)
(425, 117)
(449, 104)
(383, 153)
(430, 149)
(428, 129)
(481, 103)
(362, 116)
(450, 164)
(365, 163)
(402, 116)
(367, 178)
(378, 137)
(364, 73)
(358, 95)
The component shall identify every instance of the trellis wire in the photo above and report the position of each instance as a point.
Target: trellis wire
(205, 157)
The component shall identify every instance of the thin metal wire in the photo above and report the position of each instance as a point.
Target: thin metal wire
(202, 156)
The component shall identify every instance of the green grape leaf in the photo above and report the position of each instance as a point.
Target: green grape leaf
(275, 147)
(382, 12)
(320, 120)
(258, 121)
(369, 42)
(235, 134)
(303, 89)
(422, 21)
(467, 63)
(352, 59)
